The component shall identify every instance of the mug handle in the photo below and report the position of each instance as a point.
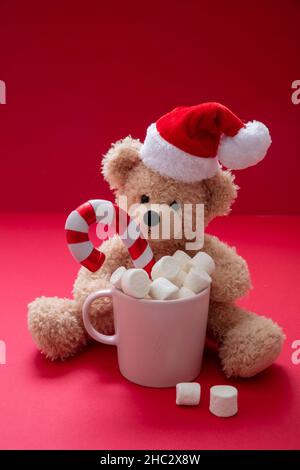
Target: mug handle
(101, 338)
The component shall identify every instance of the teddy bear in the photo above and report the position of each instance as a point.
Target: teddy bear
(186, 158)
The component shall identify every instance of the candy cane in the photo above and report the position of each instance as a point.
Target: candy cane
(98, 210)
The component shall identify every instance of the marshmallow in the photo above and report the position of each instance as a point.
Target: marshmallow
(115, 278)
(223, 401)
(166, 267)
(179, 279)
(135, 282)
(182, 258)
(188, 393)
(163, 289)
(203, 261)
(197, 280)
(184, 292)
(187, 266)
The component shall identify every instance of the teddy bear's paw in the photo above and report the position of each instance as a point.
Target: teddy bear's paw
(56, 327)
(251, 346)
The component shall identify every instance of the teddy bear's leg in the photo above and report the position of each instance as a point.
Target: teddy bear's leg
(56, 326)
(249, 343)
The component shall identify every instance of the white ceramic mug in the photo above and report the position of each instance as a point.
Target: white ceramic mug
(160, 343)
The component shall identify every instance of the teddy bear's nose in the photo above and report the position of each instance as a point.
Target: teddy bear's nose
(151, 218)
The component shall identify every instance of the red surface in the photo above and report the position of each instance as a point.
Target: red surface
(85, 403)
(82, 75)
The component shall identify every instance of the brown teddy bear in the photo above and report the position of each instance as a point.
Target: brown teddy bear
(178, 163)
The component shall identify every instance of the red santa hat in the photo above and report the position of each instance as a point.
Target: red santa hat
(189, 143)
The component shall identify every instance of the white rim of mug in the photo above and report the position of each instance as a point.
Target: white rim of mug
(185, 299)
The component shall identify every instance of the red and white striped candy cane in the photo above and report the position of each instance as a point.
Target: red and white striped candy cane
(100, 210)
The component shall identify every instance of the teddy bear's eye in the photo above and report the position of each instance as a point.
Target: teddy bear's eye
(175, 205)
(144, 199)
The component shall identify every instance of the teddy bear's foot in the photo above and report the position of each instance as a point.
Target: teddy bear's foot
(56, 327)
(250, 346)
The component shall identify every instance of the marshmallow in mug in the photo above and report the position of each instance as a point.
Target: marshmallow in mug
(166, 267)
(176, 267)
(135, 282)
(203, 262)
(184, 292)
(196, 280)
(179, 279)
(174, 277)
(182, 258)
(163, 289)
(116, 277)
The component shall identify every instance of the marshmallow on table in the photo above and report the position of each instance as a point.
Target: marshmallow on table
(179, 279)
(115, 278)
(163, 289)
(165, 267)
(203, 261)
(197, 280)
(223, 401)
(188, 393)
(135, 282)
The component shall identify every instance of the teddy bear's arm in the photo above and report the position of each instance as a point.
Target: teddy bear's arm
(56, 324)
(115, 255)
(231, 278)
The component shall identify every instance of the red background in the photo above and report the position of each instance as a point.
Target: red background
(81, 75)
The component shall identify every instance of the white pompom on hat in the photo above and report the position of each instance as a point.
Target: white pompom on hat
(189, 143)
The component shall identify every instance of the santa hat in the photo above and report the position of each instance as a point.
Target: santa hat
(189, 143)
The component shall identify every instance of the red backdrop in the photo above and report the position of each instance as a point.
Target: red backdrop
(81, 75)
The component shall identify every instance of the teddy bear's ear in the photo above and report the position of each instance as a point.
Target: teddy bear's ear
(119, 160)
(220, 194)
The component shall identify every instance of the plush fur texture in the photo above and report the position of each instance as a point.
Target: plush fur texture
(248, 343)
